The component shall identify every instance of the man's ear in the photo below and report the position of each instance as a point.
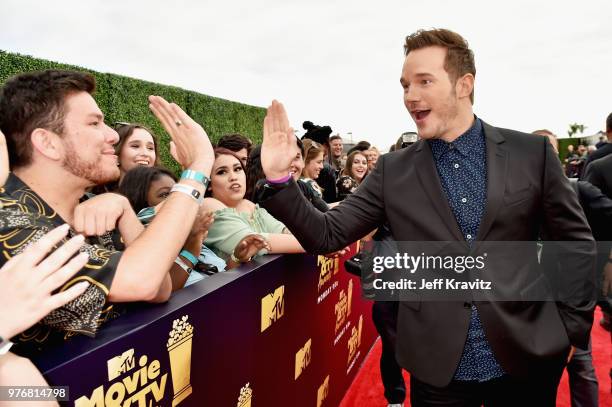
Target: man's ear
(464, 85)
(46, 143)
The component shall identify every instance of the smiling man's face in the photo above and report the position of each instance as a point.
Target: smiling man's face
(88, 143)
(429, 93)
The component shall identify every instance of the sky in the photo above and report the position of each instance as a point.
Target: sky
(539, 64)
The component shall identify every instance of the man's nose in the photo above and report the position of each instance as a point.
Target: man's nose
(411, 95)
(112, 135)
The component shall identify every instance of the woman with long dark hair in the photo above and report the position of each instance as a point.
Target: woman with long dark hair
(236, 217)
(353, 174)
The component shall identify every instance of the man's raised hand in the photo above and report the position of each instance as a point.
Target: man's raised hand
(279, 145)
(191, 145)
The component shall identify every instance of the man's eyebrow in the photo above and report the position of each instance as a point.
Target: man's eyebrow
(422, 74)
(98, 116)
(418, 75)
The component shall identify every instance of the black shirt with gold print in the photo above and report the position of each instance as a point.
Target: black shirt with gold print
(24, 219)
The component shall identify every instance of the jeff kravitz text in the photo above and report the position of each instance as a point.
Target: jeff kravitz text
(423, 263)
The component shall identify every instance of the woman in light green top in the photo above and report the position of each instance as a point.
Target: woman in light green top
(236, 217)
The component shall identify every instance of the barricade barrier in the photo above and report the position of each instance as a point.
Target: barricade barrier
(288, 330)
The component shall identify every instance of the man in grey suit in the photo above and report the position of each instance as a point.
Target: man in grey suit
(468, 182)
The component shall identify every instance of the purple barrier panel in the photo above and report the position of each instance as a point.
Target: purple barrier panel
(284, 330)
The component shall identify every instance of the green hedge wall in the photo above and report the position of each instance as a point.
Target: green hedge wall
(124, 99)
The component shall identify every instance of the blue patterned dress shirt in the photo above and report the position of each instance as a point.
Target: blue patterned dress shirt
(462, 169)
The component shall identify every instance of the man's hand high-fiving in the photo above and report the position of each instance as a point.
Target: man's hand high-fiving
(279, 145)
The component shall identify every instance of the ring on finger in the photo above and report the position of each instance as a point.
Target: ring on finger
(178, 122)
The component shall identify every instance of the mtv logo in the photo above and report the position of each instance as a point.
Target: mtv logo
(323, 392)
(302, 358)
(272, 307)
(121, 364)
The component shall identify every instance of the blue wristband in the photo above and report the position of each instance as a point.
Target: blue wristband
(196, 176)
(186, 254)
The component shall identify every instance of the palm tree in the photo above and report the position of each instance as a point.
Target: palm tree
(575, 128)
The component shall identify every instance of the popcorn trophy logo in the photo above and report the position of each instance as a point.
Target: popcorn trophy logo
(302, 358)
(340, 309)
(323, 391)
(355, 340)
(272, 307)
(246, 394)
(179, 347)
(121, 364)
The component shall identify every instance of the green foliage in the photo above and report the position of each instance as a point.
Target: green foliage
(124, 99)
(575, 128)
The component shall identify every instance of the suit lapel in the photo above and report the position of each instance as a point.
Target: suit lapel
(496, 178)
(430, 181)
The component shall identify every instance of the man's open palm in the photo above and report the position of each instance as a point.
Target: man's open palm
(279, 145)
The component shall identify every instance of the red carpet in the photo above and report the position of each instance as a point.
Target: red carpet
(367, 389)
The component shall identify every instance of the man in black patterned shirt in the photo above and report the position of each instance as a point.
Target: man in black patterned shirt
(58, 147)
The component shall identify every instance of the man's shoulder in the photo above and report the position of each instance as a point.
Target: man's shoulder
(14, 185)
(401, 155)
(21, 208)
(21, 200)
(603, 151)
(17, 192)
(527, 147)
(513, 136)
(604, 162)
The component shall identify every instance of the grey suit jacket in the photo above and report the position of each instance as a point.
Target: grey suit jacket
(527, 193)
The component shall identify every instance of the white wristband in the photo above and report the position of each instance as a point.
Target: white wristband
(182, 265)
(188, 190)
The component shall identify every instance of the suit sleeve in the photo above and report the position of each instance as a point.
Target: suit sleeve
(321, 233)
(565, 223)
(312, 196)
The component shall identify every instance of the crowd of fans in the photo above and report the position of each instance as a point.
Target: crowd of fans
(79, 186)
(102, 191)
